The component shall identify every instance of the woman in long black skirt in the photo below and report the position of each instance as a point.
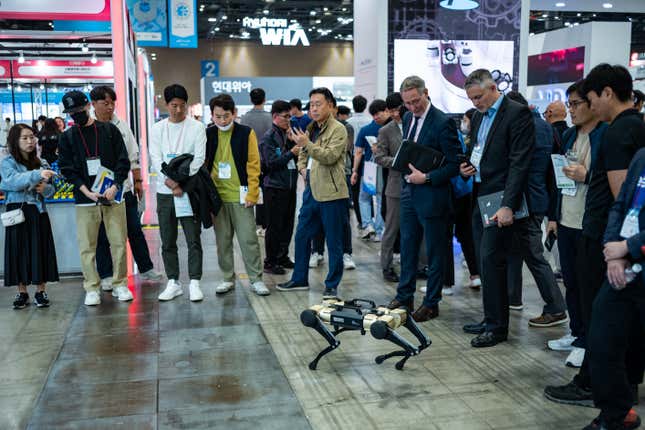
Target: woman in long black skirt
(29, 253)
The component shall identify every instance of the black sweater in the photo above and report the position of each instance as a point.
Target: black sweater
(73, 155)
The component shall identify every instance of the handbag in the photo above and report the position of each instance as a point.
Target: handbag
(14, 217)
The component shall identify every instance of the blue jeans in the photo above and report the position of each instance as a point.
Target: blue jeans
(137, 241)
(365, 202)
(316, 217)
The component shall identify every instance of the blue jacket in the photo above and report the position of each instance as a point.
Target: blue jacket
(537, 193)
(568, 139)
(16, 181)
(621, 206)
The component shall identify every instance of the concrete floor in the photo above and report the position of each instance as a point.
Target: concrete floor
(240, 362)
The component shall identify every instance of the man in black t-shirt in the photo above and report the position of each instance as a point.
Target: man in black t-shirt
(608, 89)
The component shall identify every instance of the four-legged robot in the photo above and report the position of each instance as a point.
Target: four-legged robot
(360, 314)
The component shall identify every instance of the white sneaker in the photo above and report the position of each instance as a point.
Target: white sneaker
(260, 289)
(106, 284)
(315, 260)
(474, 283)
(423, 289)
(260, 232)
(224, 287)
(562, 344)
(172, 290)
(367, 232)
(447, 290)
(575, 357)
(123, 294)
(151, 275)
(196, 294)
(92, 298)
(348, 262)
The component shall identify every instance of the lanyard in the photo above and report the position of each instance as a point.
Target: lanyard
(96, 146)
(180, 139)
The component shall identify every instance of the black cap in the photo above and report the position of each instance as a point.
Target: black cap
(74, 101)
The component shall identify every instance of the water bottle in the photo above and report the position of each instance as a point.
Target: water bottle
(630, 274)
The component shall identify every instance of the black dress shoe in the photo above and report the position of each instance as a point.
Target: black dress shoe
(478, 328)
(422, 273)
(275, 269)
(291, 286)
(286, 263)
(390, 275)
(487, 339)
(395, 304)
(425, 313)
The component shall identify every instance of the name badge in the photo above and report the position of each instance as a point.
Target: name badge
(93, 165)
(170, 157)
(223, 170)
(476, 156)
(630, 225)
(291, 165)
(309, 163)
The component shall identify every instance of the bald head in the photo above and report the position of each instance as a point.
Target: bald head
(555, 111)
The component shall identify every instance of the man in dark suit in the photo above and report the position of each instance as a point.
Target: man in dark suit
(425, 199)
(503, 135)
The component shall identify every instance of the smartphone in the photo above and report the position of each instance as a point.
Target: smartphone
(463, 158)
(293, 123)
(550, 240)
(103, 201)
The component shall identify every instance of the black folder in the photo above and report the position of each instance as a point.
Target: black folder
(422, 157)
(490, 203)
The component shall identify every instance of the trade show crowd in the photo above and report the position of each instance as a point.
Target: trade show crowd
(500, 180)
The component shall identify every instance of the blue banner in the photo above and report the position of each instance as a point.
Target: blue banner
(183, 23)
(210, 68)
(149, 21)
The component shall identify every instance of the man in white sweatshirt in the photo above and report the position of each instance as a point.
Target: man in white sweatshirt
(169, 138)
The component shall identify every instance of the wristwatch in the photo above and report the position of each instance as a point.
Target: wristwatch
(428, 179)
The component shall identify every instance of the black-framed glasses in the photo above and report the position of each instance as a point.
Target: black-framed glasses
(574, 104)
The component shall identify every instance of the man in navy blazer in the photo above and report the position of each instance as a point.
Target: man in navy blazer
(426, 202)
(503, 137)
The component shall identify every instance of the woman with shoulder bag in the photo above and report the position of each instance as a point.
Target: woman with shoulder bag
(29, 253)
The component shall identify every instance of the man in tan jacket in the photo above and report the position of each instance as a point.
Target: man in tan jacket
(324, 202)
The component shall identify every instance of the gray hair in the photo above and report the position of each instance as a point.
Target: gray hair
(480, 77)
(413, 82)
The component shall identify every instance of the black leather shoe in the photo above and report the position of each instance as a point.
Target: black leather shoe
(425, 313)
(291, 286)
(478, 328)
(395, 304)
(390, 275)
(287, 263)
(422, 273)
(487, 339)
(275, 269)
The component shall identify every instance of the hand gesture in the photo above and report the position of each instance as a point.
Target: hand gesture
(295, 150)
(110, 193)
(301, 138)
(466, 169)
(616, 272)
(354, 178)
(575, 171)
(47, 174)
(615, 250)
(416, 177)
(503, 217)
(552, 226)
(40, 188)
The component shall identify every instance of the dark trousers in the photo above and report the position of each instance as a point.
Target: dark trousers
(528, 241)
(391, 231)
(168, 232)
(318, 244)
(495, 246)
(354, 192)
(616, 348)
(568, 239)
(280, 209)
(463, 230)
(415, 226)
(316, 217)
(137, 240)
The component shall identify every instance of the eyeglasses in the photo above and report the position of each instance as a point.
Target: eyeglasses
(285, 115)
(574, 104)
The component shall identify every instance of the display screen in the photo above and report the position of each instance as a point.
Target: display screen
(445, 64)
(555, 67)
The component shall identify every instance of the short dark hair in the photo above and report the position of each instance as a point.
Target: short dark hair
(518, 97)
(343, 110)
(639, 96)
(100, 92)
(279, 106)
(576, 87)
(223, 101)
(175, 91)
(470, 112)
(42, 118)
(324, 92)
(258, 96)
(377, 106)
(295, 103)
(615, 77)
(334, 103)
(394, 100)
(359, 103)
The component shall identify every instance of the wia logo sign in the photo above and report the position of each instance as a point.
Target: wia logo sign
(277, 32)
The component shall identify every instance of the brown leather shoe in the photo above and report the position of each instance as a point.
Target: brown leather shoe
(409, 304)
(425, 313)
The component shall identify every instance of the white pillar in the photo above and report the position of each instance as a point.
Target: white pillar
(370, 48)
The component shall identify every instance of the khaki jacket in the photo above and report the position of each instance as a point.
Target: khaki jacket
(327, 177)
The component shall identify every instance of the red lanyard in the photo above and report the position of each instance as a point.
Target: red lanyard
(96, 146)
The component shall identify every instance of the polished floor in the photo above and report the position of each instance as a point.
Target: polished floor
(239, 361)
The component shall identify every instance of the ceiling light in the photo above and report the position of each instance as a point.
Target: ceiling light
(265, 11)
(93, 60)
(607, 5)
(216, 29)
(42, 87)
(560, 4)
(85, 48)
(531, 34)
(224, 17)
(325, 9)
(344, 9)
(594, 15)
(576, 23)
(545, 15)
(312, 13)
(567, 24)
(318, 21)
(21, 58)
(212, 19)
(578, 14)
